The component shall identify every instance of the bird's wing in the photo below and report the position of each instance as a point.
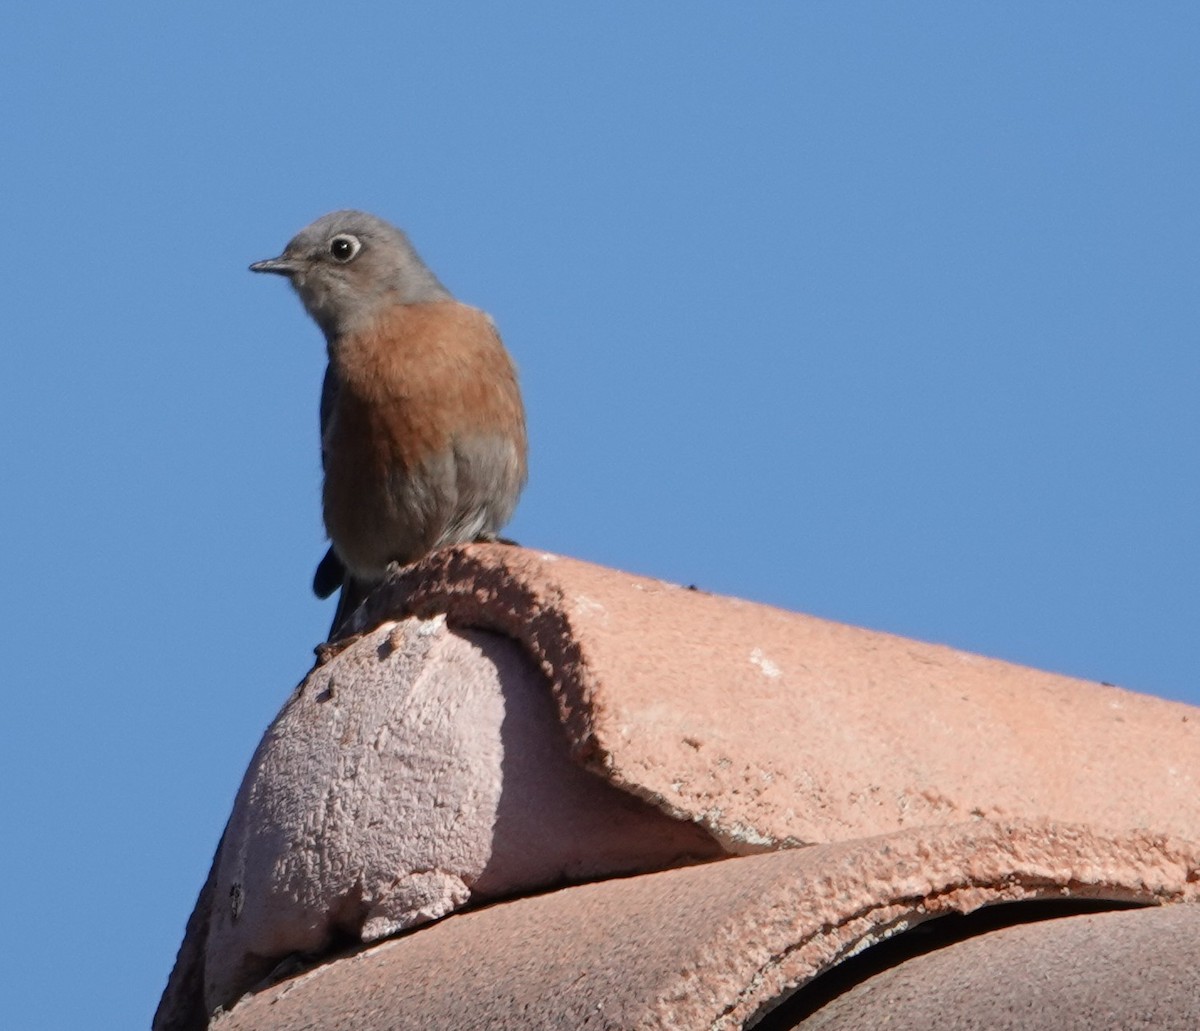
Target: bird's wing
(330, 571)
(329, 395)
(329, 575)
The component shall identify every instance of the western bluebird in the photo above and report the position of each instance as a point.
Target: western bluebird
(422, 427)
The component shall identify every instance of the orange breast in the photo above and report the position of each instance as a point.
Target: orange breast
(410, 386)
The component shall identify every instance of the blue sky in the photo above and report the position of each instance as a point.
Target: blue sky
(886, 313)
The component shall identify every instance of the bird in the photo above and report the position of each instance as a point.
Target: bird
(423, 439)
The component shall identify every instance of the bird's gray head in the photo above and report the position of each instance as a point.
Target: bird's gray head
(348, 266)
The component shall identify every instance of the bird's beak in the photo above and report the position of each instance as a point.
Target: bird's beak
(281, 266)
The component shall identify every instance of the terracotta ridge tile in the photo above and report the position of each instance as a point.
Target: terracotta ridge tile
(731, 713)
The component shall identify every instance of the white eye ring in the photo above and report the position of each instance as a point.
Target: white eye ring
(343, 248)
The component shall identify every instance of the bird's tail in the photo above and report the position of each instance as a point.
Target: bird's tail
(330, 575)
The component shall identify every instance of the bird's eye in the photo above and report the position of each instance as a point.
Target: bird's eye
(344, 247)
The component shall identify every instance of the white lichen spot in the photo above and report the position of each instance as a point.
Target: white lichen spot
(743, 834)
(766, 665)
(429, 627)
(586, 606)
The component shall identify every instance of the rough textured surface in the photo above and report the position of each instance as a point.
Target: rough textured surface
(421, 770)
(708, 946)
(1137, 970)
(511, 721)
(770, 727)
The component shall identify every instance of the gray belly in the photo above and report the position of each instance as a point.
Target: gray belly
(402, 515)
